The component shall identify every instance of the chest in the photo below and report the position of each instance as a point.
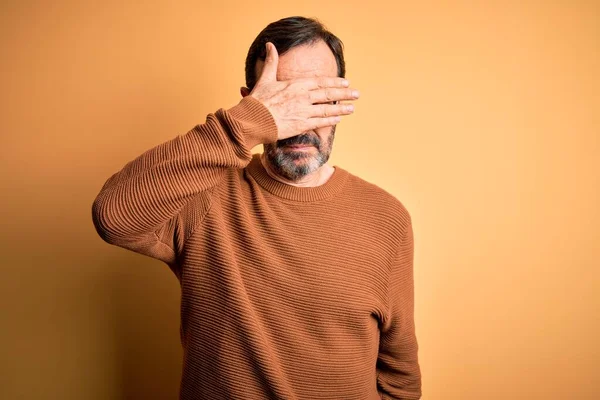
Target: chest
(301, 259)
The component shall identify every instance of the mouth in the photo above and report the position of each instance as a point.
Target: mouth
(300, 147)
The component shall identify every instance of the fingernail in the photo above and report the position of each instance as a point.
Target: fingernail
(345, 83)
(355, 94)
(349, 108)
(337, 119)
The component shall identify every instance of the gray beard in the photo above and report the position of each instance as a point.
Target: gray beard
(284, 163)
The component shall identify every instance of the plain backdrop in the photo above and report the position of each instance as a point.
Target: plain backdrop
(481, 117)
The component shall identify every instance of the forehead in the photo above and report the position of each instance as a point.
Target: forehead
(306, 61)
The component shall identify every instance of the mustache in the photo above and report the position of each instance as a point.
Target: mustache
(303, 139)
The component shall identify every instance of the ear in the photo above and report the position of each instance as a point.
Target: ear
(244, 91)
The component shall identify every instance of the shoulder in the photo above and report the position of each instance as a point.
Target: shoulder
(385, 208)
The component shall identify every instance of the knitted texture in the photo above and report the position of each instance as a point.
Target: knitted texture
(286, 292)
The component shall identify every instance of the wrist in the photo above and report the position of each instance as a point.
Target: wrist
(255, 120)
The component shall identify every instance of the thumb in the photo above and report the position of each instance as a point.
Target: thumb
(269, 71)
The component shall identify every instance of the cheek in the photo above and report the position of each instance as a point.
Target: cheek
(324, 133)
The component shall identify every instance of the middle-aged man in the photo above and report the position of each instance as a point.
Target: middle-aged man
(296, 276)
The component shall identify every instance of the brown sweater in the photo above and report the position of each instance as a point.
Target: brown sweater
(287, 292)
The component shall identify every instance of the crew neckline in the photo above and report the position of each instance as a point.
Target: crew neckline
(302, 194)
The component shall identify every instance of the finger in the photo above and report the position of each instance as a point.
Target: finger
(269, 71)
(316, 123)
(323, 82)
(329, 95)
(330, 110)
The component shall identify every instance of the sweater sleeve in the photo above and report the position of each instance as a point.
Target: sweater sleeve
(139, 207)
(398, 371)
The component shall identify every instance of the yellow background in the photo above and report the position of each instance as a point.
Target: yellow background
(482, 117)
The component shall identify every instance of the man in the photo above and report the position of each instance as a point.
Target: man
(296, 276)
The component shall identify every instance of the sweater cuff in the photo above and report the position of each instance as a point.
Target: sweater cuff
(257, 123)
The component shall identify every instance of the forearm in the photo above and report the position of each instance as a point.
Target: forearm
(152, 188)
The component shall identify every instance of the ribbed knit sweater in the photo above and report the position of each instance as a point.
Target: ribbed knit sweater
(286, 292)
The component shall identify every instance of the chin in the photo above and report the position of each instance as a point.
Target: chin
(295, 169)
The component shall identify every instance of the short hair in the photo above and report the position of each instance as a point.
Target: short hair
(288, 33)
